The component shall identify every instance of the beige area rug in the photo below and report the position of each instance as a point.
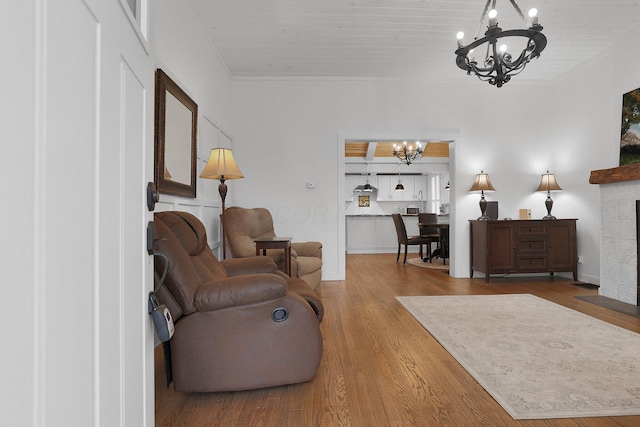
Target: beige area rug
(536, 358)
(435, 264)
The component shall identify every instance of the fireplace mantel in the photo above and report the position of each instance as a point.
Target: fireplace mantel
(619, 174)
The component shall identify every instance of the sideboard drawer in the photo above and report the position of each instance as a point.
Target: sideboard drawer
(532, 263)
(538, 245)
(534, 228)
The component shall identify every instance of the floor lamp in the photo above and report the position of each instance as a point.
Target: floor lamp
(221, 165)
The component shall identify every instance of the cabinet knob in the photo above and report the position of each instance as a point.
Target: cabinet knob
(530, 245)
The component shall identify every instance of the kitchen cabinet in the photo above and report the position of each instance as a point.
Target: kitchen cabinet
(409, 194)
(523, 246)
(387, 189)
(412, 187)
(420, 184)
(386, 185)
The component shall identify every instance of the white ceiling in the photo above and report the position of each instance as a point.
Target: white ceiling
(397, 38)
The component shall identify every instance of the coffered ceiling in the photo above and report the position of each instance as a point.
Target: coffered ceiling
(396, 38)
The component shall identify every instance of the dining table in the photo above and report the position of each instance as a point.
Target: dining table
(442, 250)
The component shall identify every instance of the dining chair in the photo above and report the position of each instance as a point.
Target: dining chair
(403, 239)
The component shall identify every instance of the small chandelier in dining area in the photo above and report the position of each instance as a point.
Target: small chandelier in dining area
(496, 63)
(407, 153)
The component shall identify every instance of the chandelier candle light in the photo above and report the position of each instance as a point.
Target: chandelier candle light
(498, 64)
(407, 153)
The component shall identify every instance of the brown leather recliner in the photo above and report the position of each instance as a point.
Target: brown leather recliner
(243, 225)
(226, 334)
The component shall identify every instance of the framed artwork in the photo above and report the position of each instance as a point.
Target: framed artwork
(176, 129)
(630, 128)
(364, 201)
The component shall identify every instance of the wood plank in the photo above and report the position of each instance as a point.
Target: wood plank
(619, 174)
(380, 366)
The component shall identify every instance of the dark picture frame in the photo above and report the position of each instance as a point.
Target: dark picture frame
(176, 130)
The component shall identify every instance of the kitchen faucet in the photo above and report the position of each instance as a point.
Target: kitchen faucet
(421, 199)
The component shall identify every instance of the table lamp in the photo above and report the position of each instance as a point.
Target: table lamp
(549, 184)
(481, 184)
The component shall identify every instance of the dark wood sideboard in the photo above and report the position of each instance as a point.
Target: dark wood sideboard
(523, 246)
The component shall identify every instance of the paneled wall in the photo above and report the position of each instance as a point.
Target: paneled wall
(207, 205)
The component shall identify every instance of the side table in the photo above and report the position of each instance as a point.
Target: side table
(264, 243)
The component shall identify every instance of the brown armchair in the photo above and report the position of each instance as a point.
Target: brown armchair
(242, 226)
(239, 324)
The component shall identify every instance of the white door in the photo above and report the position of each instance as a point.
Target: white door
(81, 86)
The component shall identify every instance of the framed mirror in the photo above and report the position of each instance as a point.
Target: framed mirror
(176, 130)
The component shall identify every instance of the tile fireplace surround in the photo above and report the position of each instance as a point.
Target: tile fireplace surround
(619, 191)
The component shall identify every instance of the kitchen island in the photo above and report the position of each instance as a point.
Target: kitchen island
(375, 234)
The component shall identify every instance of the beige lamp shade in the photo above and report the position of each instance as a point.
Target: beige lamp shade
(221, 165)
(482, 183)
(548, 183)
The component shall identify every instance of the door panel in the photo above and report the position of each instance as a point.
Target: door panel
(68, 182)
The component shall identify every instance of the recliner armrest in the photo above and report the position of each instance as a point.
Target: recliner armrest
(239, 290)
(313, 249)
(250, 265)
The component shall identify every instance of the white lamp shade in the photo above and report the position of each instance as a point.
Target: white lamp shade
(481, 183)
(548, 183)
(221, 164)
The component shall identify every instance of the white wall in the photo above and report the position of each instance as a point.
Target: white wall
(296, 126)
(181, 49)
(289, 132)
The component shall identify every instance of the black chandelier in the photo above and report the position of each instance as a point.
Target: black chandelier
(498, 65)
(407, 153)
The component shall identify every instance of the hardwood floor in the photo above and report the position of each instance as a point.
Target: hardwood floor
(380, 366)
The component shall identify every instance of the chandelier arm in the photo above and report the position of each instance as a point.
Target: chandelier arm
(486, 55)
(517, 8)
(497, 64)
(518, 63)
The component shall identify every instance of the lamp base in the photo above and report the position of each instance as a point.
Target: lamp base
(483, 209)
(548, 204)
(222, 189)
